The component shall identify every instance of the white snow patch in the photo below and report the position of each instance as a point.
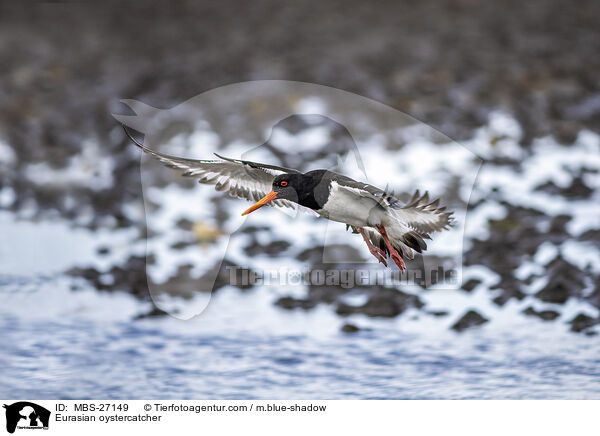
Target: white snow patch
(48, 247)
(311, 106)
(91, 168)
(582, 254)
(7, 154)
(310, 139)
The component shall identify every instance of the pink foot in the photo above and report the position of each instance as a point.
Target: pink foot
(377, 252)
(396, 257)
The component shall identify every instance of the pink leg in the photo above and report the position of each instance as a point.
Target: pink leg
(375, 251)
(396, 257)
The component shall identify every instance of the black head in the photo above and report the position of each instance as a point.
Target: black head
(298, 188)
(310, 189)
(288, 186)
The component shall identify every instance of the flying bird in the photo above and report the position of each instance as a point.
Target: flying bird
(388, 227)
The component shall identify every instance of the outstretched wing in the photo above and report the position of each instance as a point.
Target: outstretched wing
(424, 216)
(243, 179)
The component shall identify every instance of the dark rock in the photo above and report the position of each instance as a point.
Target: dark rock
(592, 235)
(566, 271)
(344, 254)
(130, 277)
(594, 297)
(582, 322)
(324, 293)
(89, 274)
(274, 248)
(546, 315)
(180, 245)
(470, 284)
(291, 303)
(350, 328)
(503, 298)
(557, 233)
(384, 302)
(336, 253)
(510, 238)
(468, 320)
(312, 255)
(509, 288)
(253, 229)
(556, 291)
(231, 274)
(425, 277)
(559, 222)
(155, 312)
(185, 224)
(345, 309)
(438, 313)
(577, 190)
(382, 305)
(103, 251)
(181, 284)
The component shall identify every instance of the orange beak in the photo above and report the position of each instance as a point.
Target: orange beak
(270, 196)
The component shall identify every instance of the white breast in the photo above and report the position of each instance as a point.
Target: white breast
(348, 206)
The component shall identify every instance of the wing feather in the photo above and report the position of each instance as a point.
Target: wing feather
(419, 215)
(424, 216)
(241, 178)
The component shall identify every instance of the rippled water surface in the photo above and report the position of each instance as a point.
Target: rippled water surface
(63, 344)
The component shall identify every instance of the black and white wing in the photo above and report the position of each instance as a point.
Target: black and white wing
(243, 179)
(414, 221)
(418, 214)
(423, 215)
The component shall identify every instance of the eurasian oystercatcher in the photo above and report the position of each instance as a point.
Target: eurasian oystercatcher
(387, 226)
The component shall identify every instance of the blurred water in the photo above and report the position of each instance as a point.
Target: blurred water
(63, 344)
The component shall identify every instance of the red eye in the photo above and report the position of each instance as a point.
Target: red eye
(283, 183)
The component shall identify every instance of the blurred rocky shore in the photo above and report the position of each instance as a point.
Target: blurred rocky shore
(450, 64)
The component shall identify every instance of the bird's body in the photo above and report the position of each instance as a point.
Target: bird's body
(387, 226)
(366, 211)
